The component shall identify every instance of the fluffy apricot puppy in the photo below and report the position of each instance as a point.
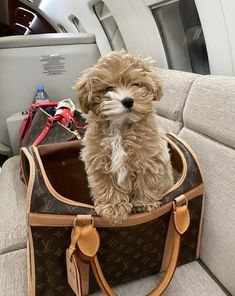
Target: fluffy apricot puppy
(126, 159)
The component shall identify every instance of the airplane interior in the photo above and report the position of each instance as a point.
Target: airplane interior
(192, 45)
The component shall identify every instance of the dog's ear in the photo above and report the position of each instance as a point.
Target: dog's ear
(84, 90)
(157, 89)
(158, 92)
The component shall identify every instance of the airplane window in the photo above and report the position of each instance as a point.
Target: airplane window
(78, 25)
(182, 36)
(19, 19)
(109, 25)
(62, 28)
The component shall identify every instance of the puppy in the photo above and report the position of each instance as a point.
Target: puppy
(126, 160)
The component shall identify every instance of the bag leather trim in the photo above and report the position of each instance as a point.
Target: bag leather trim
(30, 178)
(185, 167)
(31, 264)
(180, 221)
(52, 190)
(68, 201)
(36, 219)
(203, 195)
(168, 247)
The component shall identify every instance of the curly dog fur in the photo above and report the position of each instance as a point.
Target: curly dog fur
(126, 159)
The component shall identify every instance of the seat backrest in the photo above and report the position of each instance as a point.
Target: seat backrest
(175, 88)
(209, 127)
(53, 60)
(202, 109)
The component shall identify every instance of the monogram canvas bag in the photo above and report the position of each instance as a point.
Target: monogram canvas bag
(72, 251)
(39, 127)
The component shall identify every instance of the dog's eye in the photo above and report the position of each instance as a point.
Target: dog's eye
(109, 88)
(136, 84)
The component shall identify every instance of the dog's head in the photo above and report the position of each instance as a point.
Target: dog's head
(121, 87)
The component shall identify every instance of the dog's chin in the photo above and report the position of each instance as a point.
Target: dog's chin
(120, 115)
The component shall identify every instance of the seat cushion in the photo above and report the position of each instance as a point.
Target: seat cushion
(218, 240)
(210, 108)
(13, 279)
(12, 210)
(175, 88)
(189, 280)
(209, 127)
(169, 126)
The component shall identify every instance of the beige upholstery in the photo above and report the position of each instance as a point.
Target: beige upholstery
(13, 279)
(218, 237)
(201, 109)
(209, 119)
(175, 87)
(12, 209)
(189, 280)
(169, 125)
(210, 108)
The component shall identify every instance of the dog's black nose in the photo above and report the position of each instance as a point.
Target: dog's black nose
(128, 102)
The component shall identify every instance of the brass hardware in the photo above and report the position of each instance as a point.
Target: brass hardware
(176, 203)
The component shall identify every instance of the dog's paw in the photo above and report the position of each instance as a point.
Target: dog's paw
(114, 213)
(141, 206)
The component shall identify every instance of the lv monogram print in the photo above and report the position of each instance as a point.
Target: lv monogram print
(193, 176)
(189, 240)
(125, 254)
(43, 201)
(50, 266)
(56, 134)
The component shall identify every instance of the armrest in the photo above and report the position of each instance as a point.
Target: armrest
(13, 126)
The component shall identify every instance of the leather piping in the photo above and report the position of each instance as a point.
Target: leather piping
(52, 190)
(31, 267)
(68, 201)
(31, 177)
(167, 250)
(185, 167)
(36, 219)
(203, 201)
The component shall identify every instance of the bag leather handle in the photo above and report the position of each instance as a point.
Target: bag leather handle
(180, 221)
(67, 115)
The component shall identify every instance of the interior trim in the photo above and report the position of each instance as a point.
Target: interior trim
(46, 40)
(52, 190)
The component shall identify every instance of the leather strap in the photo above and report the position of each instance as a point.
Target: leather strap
(180, 220)
(29, 118)
(43, 134)
(64, 115)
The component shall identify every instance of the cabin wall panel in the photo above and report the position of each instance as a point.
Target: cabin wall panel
(216, 32)
(22, 68)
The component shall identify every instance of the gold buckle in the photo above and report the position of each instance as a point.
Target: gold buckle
(82, 220)
(176, 203)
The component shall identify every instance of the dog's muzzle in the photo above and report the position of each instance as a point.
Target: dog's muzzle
(128, 102)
